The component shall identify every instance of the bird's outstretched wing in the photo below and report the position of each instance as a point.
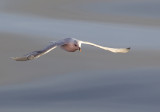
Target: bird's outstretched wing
(36, 54)
(114, 50)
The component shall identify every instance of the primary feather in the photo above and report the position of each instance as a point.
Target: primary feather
(114, 50)
(36, 54)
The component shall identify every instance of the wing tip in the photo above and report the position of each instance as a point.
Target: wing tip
(19, 58)
(129, 48)
(14, 58)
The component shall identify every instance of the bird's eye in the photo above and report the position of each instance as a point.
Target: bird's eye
(75, 44)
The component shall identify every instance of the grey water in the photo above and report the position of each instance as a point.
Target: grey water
(86, 91)
(145, 9)
(114, 35)
(134, 87)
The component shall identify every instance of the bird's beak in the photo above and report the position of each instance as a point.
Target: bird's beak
(80, 50)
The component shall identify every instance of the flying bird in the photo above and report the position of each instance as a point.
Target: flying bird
(68, 44)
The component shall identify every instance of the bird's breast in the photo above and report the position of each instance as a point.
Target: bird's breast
(69, 47)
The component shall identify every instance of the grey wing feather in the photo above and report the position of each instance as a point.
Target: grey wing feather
(64, 41)
(36, 54)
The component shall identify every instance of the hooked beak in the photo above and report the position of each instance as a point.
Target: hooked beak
(80, 49)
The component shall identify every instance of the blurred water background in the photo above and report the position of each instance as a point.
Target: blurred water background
(93, 80)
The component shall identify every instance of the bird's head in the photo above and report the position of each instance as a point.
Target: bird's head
(78, 45)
